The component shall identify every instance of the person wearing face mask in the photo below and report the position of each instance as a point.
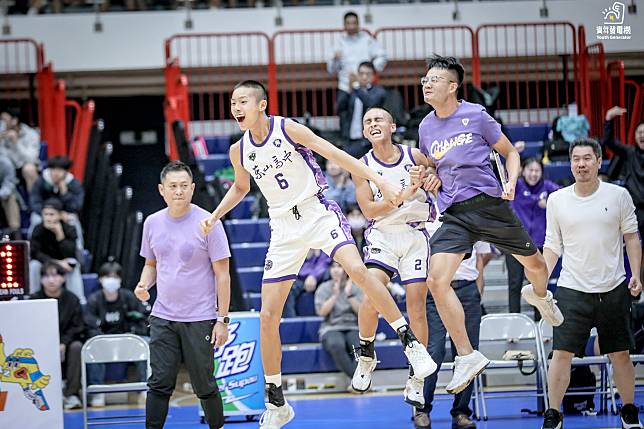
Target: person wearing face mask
(529, 204)
(113, 310)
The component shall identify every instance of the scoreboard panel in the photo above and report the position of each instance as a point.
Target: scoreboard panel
(14, 269)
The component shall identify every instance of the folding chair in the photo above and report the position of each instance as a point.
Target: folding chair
(517, 332)
(606, 388)
(111, 349)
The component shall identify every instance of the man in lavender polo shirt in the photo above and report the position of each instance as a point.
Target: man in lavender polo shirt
(190, 314)
(457, 138)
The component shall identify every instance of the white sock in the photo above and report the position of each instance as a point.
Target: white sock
(274, 379)
(397, 324)
(368, 339)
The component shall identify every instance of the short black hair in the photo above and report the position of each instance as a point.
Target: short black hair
(257, 86)
(597, 149)
(447, 63)
(109, 268)
(59, 161)
(367, 64)
(51, 264)
(53, 203)
(350, 14)
(174, 166)
(393, 121)
(530, 160)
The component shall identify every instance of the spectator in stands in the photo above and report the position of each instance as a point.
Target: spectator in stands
(529, 204)
(113, 310)
(71, 328)
(21, 144)
(632, 162)
(587, 224)
(57, 182)
(9, 198)
(338, 301)
(363, 96)
(314, 270)
(55, 240)
(352, 49)
(341, 188)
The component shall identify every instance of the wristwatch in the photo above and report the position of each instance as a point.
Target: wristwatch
(223, 319)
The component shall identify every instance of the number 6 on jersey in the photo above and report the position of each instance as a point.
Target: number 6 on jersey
(281, 182)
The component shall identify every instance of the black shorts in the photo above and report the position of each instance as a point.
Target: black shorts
(481, 218)
(609, 312)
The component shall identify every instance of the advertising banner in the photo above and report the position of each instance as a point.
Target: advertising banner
(30, 375)
(238, 367)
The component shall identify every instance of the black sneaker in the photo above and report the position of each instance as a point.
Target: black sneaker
(630, 417)
(552, 419)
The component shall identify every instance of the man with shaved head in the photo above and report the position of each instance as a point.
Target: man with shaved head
(395, 242)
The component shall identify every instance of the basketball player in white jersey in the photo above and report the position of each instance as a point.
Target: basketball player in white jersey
(276, 152)
(395, 242)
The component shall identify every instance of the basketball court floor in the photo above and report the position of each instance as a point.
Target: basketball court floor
(373, 411)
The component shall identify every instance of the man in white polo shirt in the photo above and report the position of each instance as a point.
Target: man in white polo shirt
(585, 225)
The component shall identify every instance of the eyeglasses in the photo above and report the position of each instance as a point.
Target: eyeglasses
(433, 80)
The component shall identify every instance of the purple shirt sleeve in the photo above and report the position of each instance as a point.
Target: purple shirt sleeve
(490, 128)
(551, 186)
(146, 249)
(218, 243)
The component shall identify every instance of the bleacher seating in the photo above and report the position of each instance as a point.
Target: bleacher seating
(218, 144)
(244, 209)
(211, 163)
(531, 132)
(248, 230)
(305, 329)
(251, 278)
(249, 254)
(307, 358)
(90, 283)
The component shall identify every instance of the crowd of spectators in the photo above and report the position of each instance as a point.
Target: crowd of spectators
(42, 201)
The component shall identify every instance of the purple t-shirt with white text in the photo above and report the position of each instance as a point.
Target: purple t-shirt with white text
(460, 146)
(186, 285)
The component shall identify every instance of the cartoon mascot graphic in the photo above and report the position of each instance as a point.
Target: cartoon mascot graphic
(21, 367)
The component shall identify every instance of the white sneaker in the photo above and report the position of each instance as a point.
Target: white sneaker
(72, 402)
(466, 368)
(98, 400)
(413, 392)
(275, 417)
(420, 360)
(547, 306)
(361, 381)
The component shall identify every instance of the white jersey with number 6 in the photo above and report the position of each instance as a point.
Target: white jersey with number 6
(286, 172)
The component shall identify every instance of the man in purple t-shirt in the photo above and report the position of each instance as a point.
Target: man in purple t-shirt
(190, 314)
(457, 138)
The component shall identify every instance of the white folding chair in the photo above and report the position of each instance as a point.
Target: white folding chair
(111, 349)
(514, 331)
(606, 369)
